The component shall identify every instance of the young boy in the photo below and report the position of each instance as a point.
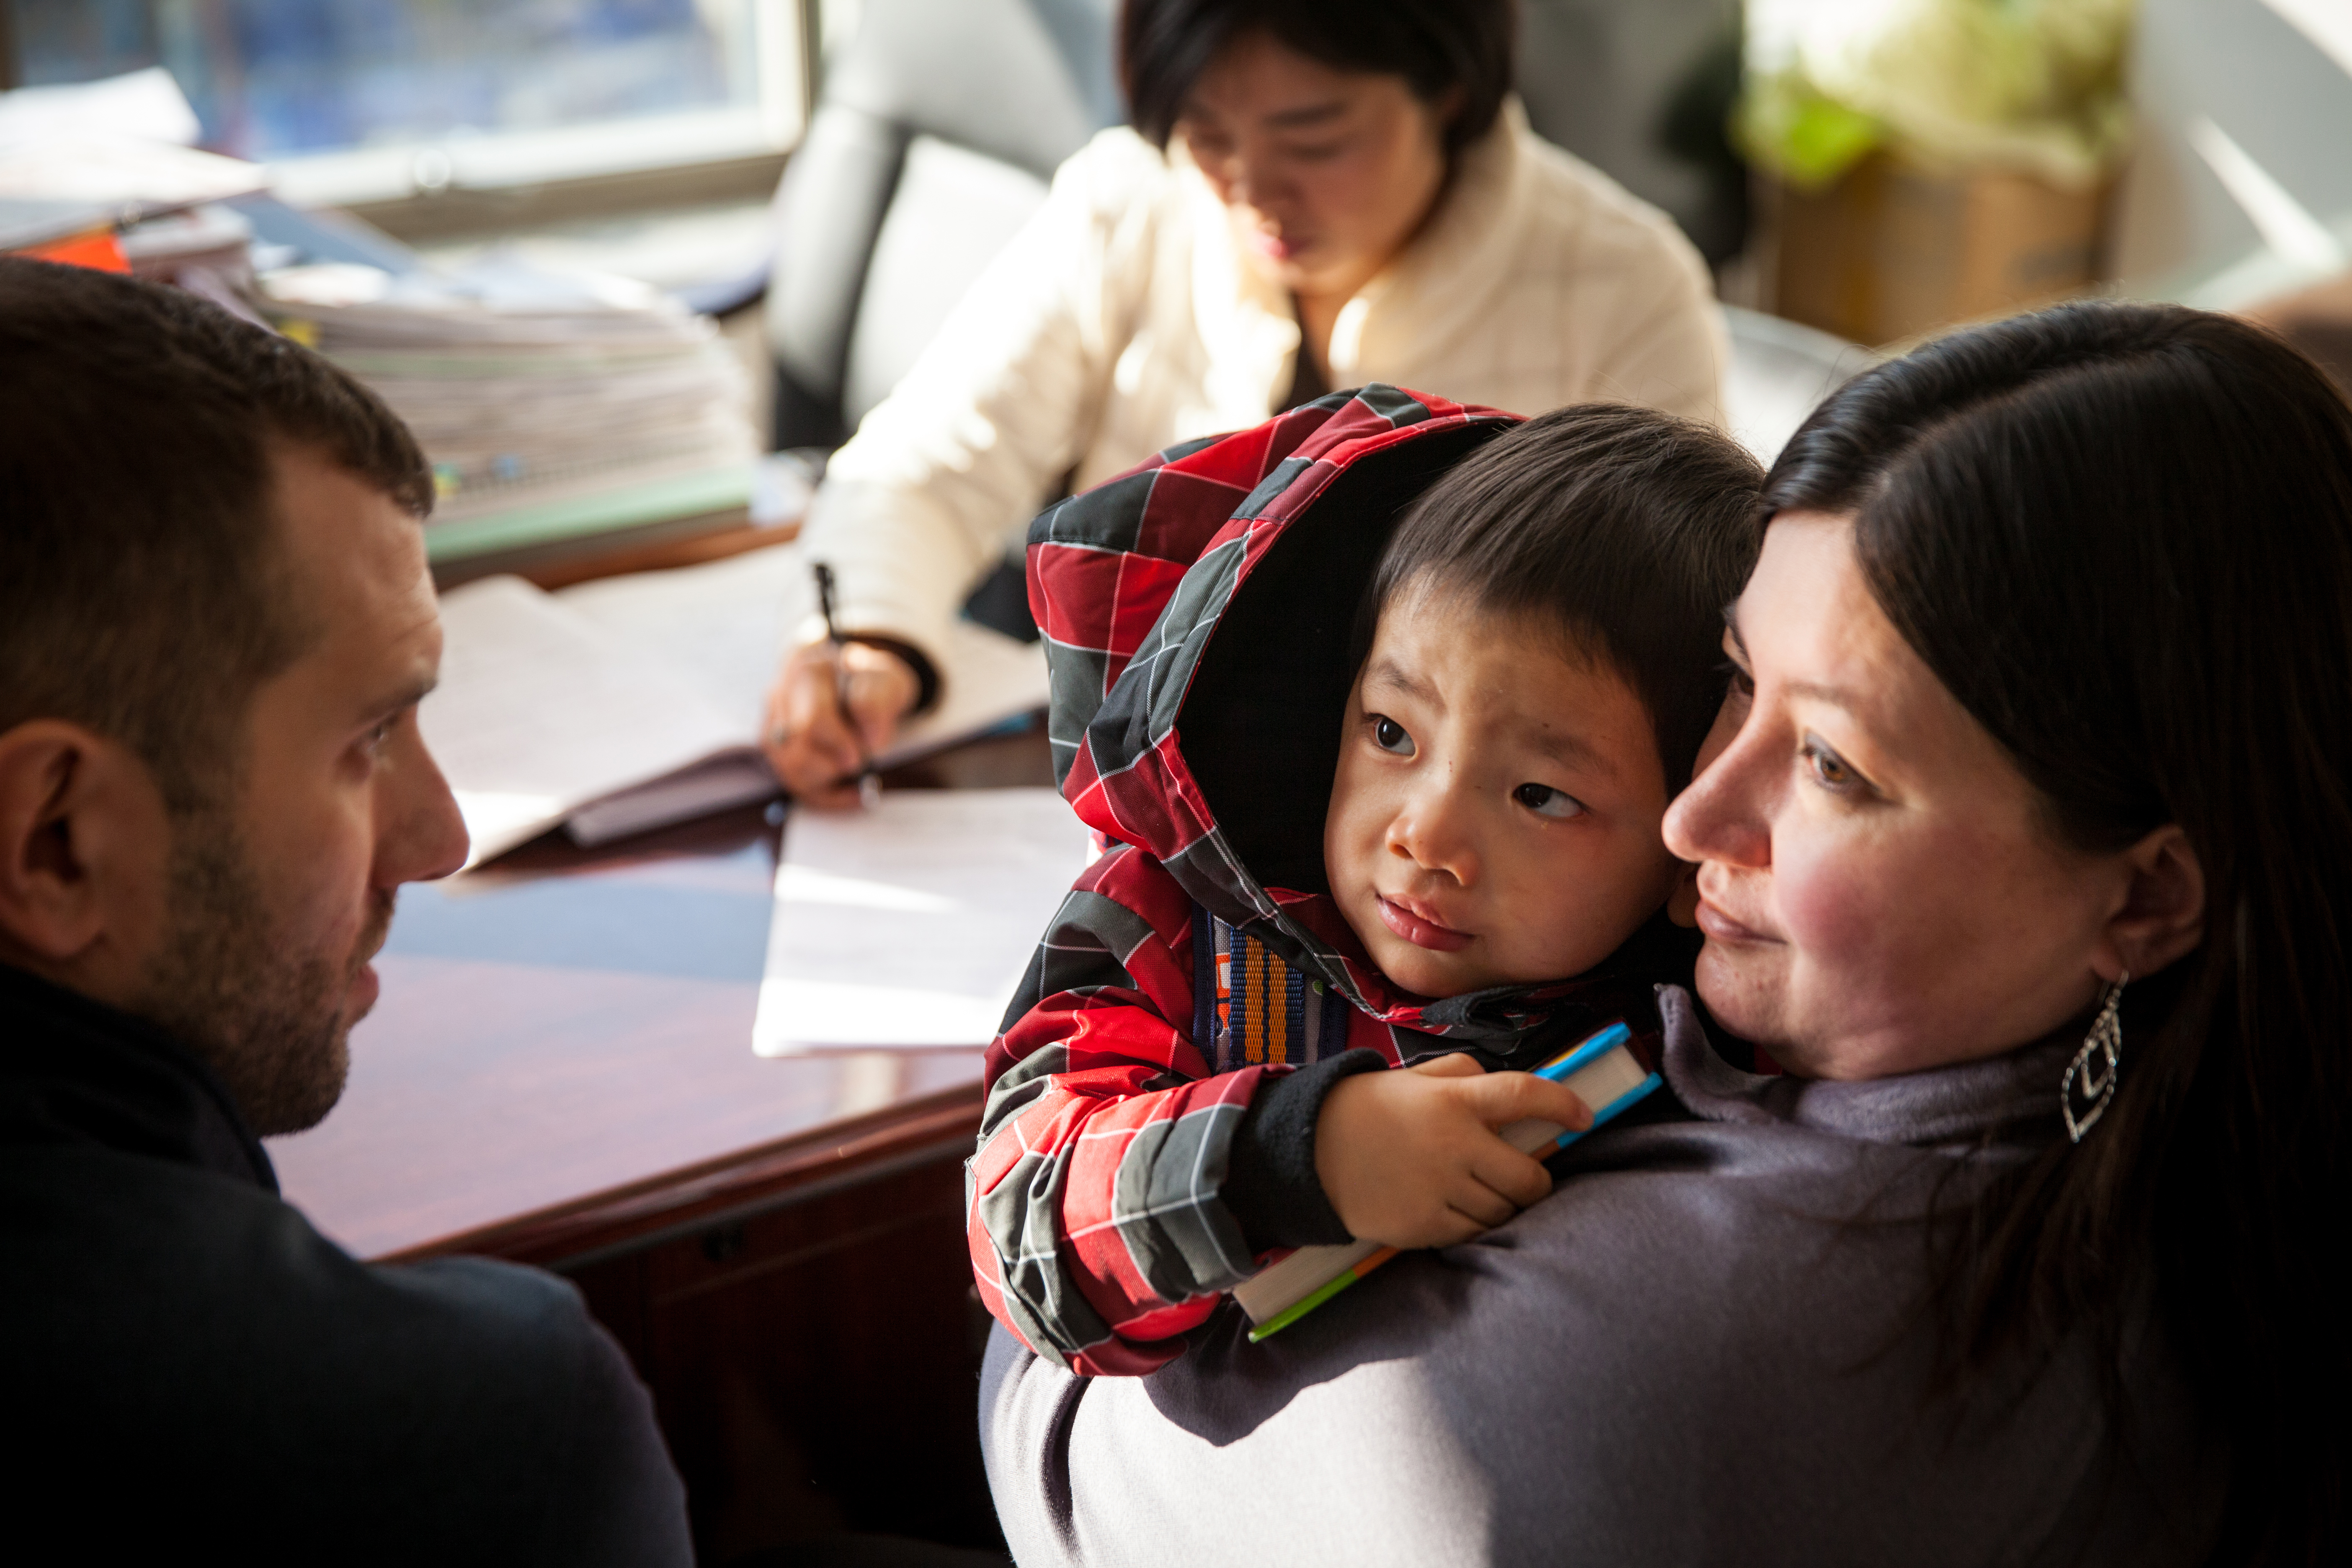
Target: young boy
(1378, 794)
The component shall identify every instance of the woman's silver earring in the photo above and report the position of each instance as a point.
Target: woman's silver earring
(2090, 1080)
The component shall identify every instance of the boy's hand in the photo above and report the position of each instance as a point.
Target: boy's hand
(1409, 1157)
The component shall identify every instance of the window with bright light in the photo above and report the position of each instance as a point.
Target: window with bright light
(373, 100)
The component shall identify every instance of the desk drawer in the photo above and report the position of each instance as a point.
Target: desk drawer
(815, 1364)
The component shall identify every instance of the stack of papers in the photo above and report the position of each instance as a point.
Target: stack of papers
(623, 705)
(528, 387)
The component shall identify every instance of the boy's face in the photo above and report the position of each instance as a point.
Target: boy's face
(1495, 815)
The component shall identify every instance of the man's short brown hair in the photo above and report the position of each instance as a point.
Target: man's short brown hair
(142, 588)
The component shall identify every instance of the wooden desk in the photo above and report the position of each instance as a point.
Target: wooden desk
(559, 1072)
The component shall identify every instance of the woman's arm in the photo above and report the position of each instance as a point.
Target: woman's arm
(945, 472)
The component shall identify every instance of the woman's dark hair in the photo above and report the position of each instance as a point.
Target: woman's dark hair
(2121, 535)
(1437, 46)
(1627, 529)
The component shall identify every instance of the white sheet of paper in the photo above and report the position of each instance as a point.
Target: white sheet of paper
(910, 925)
(538, 713)
(723, 621)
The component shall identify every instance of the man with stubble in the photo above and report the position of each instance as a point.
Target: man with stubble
(215, 626)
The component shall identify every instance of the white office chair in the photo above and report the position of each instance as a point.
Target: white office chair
(940, 123)
(1780, 372)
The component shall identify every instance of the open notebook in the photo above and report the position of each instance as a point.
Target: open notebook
(631, 702)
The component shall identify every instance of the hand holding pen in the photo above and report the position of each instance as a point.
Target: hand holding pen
(836, 703)
(869, 786)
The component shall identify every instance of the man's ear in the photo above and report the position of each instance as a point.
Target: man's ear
(83, 842)
(2163, 913)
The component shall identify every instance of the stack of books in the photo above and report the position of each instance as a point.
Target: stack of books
(553, 404)
(548, 404)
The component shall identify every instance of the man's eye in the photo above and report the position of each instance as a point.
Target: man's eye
(1390, 736)
(1319, 153)
(1546, 801)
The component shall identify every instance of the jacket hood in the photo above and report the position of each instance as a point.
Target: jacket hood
(1197, 612)
(1199, 615)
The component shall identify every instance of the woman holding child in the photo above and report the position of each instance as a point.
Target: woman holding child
(2020, 842)
(1313, 193)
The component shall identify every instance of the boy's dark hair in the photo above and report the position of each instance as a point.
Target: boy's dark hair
(1437, 46)
(142, 587)
(1628, 528)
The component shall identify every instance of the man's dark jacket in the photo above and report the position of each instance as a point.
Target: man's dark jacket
(189, 1365)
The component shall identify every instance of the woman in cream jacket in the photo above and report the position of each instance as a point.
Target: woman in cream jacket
(1346, 193)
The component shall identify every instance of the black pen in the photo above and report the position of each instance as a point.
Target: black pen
(869, 787)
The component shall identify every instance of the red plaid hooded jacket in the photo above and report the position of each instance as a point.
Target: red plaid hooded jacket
(1199, 615)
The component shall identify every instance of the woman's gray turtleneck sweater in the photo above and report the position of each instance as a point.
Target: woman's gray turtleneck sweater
(1706, 1346)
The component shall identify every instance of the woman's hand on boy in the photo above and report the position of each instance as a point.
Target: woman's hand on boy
(1411, 1157)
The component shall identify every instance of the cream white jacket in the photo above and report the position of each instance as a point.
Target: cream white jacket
(1123, 318)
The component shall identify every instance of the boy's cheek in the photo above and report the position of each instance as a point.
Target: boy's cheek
(1341, 861)
(1354, 829)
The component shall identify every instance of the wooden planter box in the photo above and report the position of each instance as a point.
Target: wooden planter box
(1892, 251)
